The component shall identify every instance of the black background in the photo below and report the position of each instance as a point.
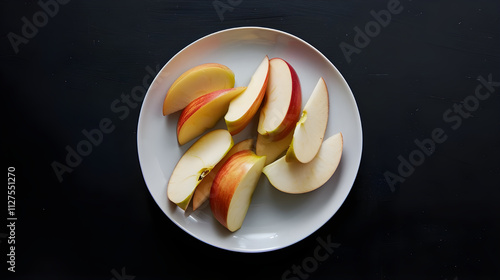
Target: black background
(442, 222)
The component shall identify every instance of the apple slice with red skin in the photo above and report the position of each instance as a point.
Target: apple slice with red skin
(204, 112)
(245, 106)
(196, 82)
(202, 192)
(282, 104)
(233, 188)
(195, 164)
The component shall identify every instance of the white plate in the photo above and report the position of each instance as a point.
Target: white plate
(274, 219)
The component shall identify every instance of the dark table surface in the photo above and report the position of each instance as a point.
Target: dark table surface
(420, 71)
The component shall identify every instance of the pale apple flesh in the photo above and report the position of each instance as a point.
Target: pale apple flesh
(195, 164)
(270, 148)
(196, 82)
(295, 177)
(233, 188)
(282, 102)
(310, 130)
(245, 106)
(203, 113)
(202, 192)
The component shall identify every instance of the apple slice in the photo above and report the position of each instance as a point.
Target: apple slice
(245, 106)
(203, 113)
(233, 188)
(196, 82)
(310, 129)
(202, 192)
(272, 149)
(195, 164)
(282, 102)
(295, 177)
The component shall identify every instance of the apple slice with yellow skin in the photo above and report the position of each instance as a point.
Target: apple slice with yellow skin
(245, 106)
(203, 113)
(196, 82)
(233, 188)
(195, 164)
(295, 177)
(202, 192)
(282, 103)
(272, 149)
(310, 129)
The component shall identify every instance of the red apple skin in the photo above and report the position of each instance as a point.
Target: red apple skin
(227, 180)
(196, 104)
(295, 108)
